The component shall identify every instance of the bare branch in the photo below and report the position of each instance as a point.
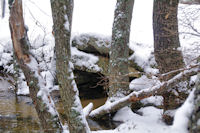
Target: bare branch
(190, 33)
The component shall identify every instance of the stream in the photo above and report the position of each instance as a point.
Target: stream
(17, 114)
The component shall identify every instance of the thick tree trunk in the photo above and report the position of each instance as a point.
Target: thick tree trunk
(118, 65)
(62, 18)
(42, 100)
(166, 44)
(166, 36)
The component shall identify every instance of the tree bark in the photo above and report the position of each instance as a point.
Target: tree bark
(49, 120)
(62, 18)
(166, 44)
(166, 36)
(118, 64)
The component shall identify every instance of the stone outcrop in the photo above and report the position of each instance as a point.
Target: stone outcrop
(98, 46)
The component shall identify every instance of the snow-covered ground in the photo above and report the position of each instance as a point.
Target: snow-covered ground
(96, 17)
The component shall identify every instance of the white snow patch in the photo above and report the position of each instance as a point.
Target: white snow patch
(87, 109)
(143, 83)
(141, 124)
(143, 56)
(182, 115)
(44, 91)
(66, 24)
(193, 79)
(156, 100)
(84, 59)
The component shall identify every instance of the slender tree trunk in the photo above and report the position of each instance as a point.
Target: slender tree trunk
(41, 99)
(62, 18)
(166, 44)
(118, 65)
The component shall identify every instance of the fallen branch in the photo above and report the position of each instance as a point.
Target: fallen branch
(108, 107)
(88, 109)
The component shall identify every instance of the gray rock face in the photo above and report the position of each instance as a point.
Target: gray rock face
(94, 44)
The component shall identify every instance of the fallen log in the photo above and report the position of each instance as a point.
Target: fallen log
(109, 107)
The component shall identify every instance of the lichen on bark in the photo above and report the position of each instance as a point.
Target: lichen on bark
(118, 64)
(69, 93)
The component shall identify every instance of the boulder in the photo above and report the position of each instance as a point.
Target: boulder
(94, 44)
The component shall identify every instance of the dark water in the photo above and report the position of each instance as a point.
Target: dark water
(18, 115)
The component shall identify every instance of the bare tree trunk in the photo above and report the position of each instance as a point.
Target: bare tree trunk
(41, 99)
(62, 18)
(166, 36)
(118, 65)
(166, 44)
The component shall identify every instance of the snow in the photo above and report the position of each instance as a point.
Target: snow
(149, 122)
(143, 82)
(84, 59)
(156, 100)
(22, 85)
(189, 23)
(183, 114)
(193, 79)
(76, 105)
(143, 56)
(102, 40)
(66, 22)
(43, 93)
(88, 109)
(95, 17)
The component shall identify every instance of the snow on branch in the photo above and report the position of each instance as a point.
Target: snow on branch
(88, 109)
(109, 107)
(39, 94)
